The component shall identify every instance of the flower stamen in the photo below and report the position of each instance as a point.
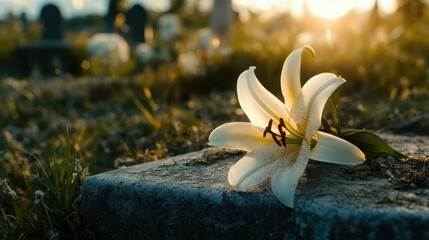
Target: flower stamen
(282, 132)
(273, 134)
(281, 138)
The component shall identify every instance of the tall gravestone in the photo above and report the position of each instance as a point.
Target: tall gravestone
(52, 21)
(52, 53)
(221, 19)
(24, 22)
(136, 19)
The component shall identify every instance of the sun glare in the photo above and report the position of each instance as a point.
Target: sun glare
(328, 9)
(331, 9)
(364, 4)
(77, 4)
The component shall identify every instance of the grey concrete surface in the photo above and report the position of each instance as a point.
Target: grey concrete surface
(188, 197)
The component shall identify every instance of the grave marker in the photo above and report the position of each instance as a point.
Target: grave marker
(188, 197)
(51, 54)
(136, 19)
(52, 22)
(221, 19)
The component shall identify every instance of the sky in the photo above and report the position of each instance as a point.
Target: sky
(70, 8)
(322, 8)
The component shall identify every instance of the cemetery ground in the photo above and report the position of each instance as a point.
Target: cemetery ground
(103, 123)
(57, 130)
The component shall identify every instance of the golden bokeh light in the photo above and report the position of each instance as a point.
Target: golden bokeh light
(331, 9)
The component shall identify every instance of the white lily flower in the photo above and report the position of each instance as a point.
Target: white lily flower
(281, 137)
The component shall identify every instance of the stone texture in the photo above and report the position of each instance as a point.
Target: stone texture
(188, 197)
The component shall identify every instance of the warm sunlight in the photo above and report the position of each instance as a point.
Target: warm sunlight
(331, 9)
(77, 4)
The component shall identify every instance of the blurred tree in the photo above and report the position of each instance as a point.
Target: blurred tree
(176, 6)
(411, 10)
(115, 8)
(374, 18)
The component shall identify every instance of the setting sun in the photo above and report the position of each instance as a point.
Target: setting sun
(331, 9)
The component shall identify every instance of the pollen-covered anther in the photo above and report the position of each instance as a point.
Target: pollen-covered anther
(313, 141)
(279, 139)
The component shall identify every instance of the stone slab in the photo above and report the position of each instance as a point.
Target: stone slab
(188, 197)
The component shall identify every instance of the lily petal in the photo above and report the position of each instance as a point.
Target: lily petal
(290, 80)
(284, 179)
(253, 168)
(237, 135)
(332, 149)
(257, 102)
(307, 111)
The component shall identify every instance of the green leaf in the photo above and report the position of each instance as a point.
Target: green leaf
(327, 128)
(335, 116)
(371, 144)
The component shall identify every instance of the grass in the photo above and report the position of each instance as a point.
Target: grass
(54, 191)
(125, 125)
(56, 131)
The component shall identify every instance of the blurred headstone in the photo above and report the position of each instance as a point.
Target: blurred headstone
(136, 19)
(52, 22)
(222, 18)
(24, 22)
(51, 54)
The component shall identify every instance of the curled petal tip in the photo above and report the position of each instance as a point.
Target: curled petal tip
(343, 79)
(309, 49)
(252, 68)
